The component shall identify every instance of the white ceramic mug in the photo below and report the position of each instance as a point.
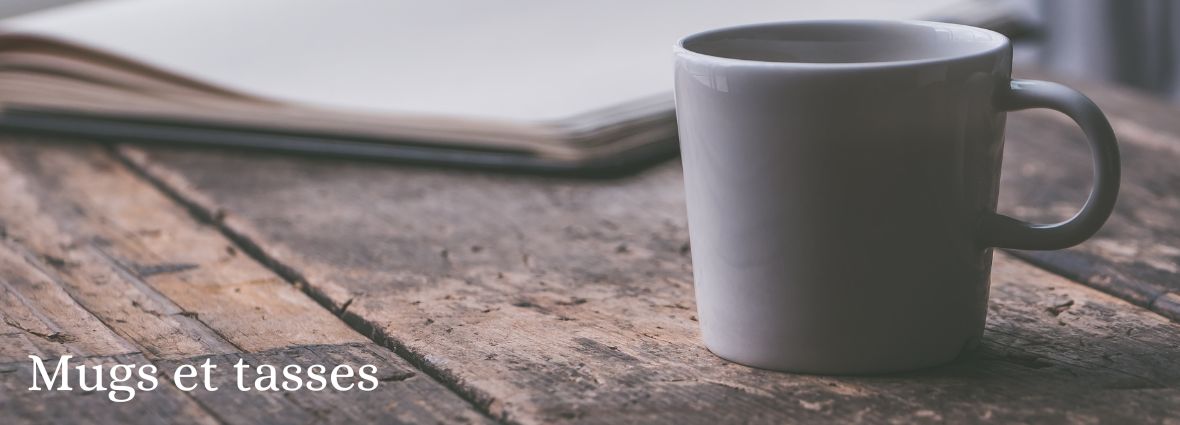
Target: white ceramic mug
(841, 180)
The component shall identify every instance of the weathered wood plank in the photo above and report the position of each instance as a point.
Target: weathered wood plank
(132, 262)
(39, 318)
(105, 232)
(551, 300)
(1047, 175)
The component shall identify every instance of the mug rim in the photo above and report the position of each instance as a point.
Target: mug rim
(1002, 43)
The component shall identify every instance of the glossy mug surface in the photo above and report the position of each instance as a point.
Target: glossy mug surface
(841, 183)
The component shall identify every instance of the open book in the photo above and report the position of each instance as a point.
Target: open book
(535, 84)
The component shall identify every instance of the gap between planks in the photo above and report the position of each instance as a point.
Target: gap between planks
(206, 211)
(78, 257)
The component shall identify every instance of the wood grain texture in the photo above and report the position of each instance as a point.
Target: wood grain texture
(40, 318)
(550, 301)
(98, 263)
(1047, 175)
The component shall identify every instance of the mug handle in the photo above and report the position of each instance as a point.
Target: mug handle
(1001, 231)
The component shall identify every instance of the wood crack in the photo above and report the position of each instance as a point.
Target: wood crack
(344, 306)
(56, 336)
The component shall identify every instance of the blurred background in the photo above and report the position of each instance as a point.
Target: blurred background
(1132, 42)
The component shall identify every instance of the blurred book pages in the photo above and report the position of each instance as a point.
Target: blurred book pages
(539, 84)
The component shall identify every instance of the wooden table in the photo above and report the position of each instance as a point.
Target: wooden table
(507, 298)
